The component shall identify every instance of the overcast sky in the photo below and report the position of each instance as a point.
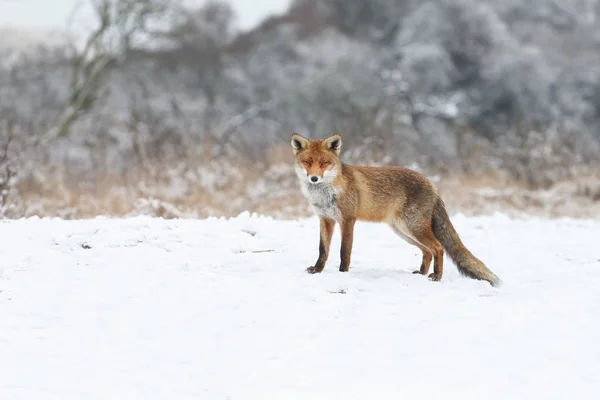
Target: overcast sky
(51, 14)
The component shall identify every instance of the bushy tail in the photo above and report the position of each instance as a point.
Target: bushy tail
(466, 262)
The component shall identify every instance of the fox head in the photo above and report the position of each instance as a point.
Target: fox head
(317, 161)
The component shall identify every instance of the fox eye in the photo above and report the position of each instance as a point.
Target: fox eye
(307, 163)
(324, 163)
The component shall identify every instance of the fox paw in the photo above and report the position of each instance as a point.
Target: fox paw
(418, 272)
(435, 277)
(313, 270)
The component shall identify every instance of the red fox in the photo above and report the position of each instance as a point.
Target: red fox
(400, 197)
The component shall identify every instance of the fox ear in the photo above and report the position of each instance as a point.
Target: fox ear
(334, 143)
(299, 142)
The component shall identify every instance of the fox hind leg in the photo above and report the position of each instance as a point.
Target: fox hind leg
(438, 262)
(400, 230)
(425, 237)
(426, 263)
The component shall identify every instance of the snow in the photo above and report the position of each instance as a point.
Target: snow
(146, 308)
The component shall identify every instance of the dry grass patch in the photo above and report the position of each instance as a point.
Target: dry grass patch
(180, 190)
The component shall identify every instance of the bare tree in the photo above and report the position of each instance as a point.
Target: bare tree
(118, 24)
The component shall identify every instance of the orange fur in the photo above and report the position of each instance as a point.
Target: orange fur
(400, 197)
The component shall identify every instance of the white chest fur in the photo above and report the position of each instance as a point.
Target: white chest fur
(323, 199)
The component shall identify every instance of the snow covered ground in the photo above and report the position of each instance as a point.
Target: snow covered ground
(212, 309)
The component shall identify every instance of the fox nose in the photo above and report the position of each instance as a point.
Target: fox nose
(314, 178)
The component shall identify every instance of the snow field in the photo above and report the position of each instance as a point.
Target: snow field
(146, 308)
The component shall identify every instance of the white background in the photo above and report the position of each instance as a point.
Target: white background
(53, 14)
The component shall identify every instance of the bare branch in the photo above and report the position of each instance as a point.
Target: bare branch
(117, 24)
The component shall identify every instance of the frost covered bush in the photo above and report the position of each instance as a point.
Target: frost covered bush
(471, 87)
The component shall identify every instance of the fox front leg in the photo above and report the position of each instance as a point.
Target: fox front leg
(347, 228)
(326, 228)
